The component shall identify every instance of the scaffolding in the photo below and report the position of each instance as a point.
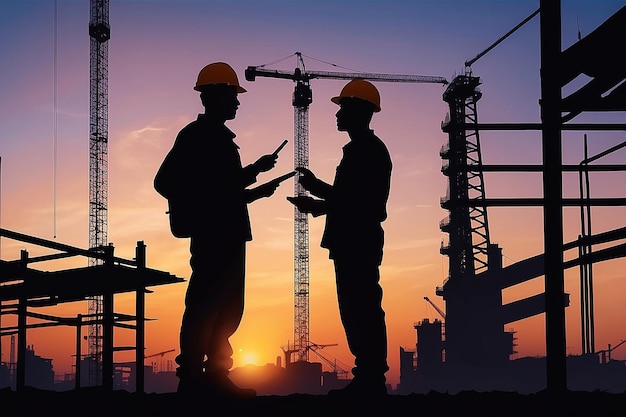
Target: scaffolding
(26, 289)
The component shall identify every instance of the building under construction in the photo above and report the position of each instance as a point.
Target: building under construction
(471, 348)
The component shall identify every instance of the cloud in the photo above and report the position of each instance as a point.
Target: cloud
(138, 133)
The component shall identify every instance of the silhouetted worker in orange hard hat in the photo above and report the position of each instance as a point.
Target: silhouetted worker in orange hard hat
(205, 184)
(355, 207)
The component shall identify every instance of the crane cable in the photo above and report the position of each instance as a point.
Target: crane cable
(471, 61)
(331, 64)
(54, 121)
(303, 55)
(276, 61)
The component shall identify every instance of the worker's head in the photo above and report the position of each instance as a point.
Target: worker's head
(218, 73)
(218, 86)
(360, 89)
(358, 101)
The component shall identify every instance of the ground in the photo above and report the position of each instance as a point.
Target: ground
(94, 402)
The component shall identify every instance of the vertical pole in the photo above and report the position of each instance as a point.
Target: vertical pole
(0, 331)
(550, 32)
(20, 381)
(140, 257)
(0, 250)
(107, 341)
(107, 328)
(79, 324)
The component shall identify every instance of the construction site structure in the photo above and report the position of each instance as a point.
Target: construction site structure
(470, 301)
(473, 337)
(27, 290)
(302, 98)
(160, 354)
(99, 34)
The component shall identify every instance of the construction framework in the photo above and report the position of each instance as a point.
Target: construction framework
(471, 287)
(26, 289)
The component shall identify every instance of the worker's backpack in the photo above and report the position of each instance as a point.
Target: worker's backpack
(181, 223)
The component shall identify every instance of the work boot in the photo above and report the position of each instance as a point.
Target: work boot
(190, 382)
(220, 385)
(192, 387)
(361, 388)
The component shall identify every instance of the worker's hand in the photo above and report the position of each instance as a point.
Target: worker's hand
(264, 190)
(307, 204)
(266, 162)
(267, 189)
(306, 178)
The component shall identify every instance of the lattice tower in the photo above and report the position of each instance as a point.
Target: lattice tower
(99, 33)
(302, 97)
(467, 226)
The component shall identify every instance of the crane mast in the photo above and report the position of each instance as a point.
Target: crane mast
(99, 33)
(302, 98)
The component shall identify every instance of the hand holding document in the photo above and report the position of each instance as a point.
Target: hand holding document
(268, 188)
(282, 178)
(282, 145)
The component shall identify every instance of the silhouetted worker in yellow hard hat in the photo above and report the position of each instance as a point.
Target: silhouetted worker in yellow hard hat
(205, 184)
(355, 207)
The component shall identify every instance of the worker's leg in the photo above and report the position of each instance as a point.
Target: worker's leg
(360, 306)
(230, 304)
(203, 301)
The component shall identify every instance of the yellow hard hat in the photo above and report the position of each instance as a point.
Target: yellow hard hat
(218, 73)
(362, 89)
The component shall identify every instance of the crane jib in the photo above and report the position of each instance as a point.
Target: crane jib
(252, 72)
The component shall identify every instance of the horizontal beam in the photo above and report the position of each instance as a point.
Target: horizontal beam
(72, 250)
(527, 307)
(538, 126)
(536, 202)
(539, 168)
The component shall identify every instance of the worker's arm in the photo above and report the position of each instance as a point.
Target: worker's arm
(314, 185)
(267, 189)
(309, 205)
(261, 191)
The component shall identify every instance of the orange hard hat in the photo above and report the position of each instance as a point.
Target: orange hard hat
(218, 73)
(361, 89)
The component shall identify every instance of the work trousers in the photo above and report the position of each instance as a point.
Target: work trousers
(359, 295)
(214, 305)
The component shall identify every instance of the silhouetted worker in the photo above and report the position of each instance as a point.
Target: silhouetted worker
(205, 184)
(355, 207)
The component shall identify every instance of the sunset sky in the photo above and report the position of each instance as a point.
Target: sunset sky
(155, 52)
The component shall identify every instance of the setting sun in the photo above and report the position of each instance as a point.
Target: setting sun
(247, 357)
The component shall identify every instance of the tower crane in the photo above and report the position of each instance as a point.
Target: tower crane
(159, 354)
(441, 313)
(99, 33)
(342, 372)
(302, 98)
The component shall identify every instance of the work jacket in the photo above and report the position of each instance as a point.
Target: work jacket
(356, 203)
(203, 180)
